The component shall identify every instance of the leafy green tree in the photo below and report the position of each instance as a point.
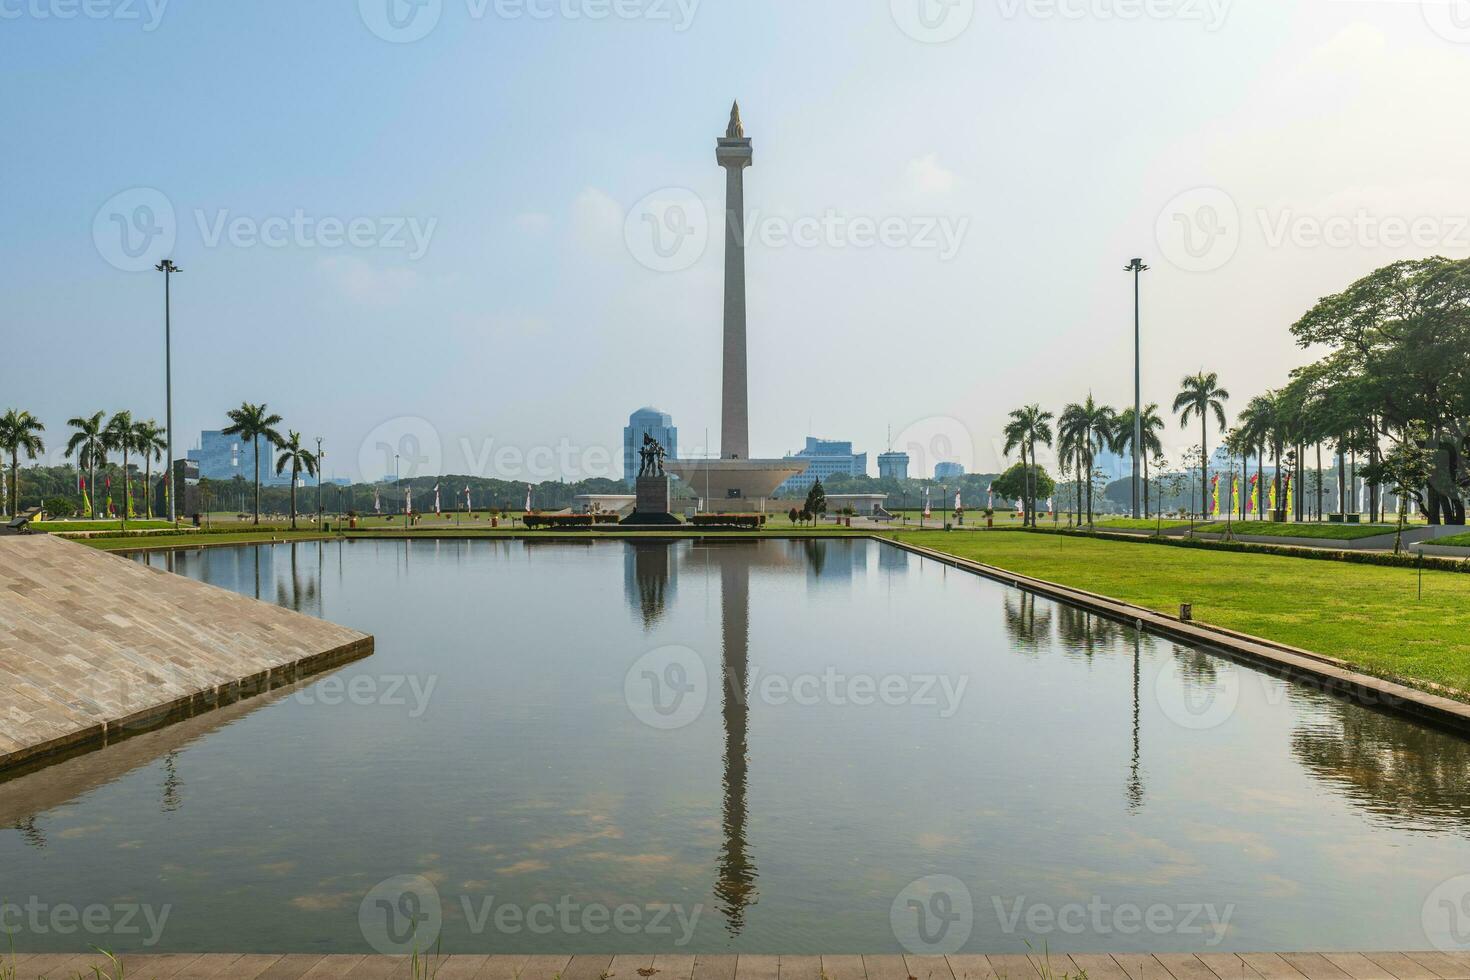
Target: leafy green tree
(1399, 343)
(1405, 468)
(1021, 479)
(254, 423)
(816, 500)
(1028, 425)
(1200, 395)
(89, 445)
(300, 459)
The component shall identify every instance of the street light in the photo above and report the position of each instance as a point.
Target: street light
(168, 269)
(1137, 268)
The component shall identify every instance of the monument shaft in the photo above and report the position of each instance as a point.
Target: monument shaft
(734, 154)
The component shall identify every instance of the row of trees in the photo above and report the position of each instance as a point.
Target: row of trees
(1393, 391)
(1086, 428)
(96, 439)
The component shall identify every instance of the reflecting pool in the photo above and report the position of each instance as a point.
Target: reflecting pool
(784, 746)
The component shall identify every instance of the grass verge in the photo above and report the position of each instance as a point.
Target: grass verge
(1306, 529)
(1368, 615)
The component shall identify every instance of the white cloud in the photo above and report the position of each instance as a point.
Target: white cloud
(357, 280)
(926, 175)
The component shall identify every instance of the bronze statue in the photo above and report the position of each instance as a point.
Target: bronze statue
(651, 457)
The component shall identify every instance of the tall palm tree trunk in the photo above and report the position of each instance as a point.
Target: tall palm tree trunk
(257, 481)
(294, 471)
(1145, 487)
(1204, 464)
(1319, 480)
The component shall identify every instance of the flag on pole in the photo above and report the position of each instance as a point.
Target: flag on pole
(436, 500)
(1272, 497)
(1048, 506)
(408, 500)
(1290, 496)
(1234, 491)
(86, 501)
(958, 504)
(468, 509)
(990, 497)
(528, 498)
(1215, 500)
(1253, 499)
(377, 502)
(109, 497)
(927, 512)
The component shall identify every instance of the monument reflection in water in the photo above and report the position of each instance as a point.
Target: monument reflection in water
(792, 826)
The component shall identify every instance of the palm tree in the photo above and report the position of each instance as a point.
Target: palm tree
(254, 423)
(18, 435)
(1256, 423)
(1153, 424)
(148, 439)
(1090, 427)
(1027, 426)
(1071, 440)
(88, 445)
(299, 459)
(1200, 395)
(119, 437)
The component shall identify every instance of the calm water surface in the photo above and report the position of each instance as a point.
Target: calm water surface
(795, 746)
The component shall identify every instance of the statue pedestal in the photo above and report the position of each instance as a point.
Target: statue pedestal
(653, 502)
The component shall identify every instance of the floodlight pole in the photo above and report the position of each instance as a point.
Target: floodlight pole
(168, 269)
(1137, 268)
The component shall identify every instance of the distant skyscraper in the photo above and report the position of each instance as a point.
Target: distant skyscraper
(948, 471)
(647, 421)
(824, 458)
(222, 457)
(892, 465)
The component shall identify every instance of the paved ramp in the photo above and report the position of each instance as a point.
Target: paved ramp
(94, 648)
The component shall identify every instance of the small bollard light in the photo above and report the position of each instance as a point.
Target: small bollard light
(1186, 612)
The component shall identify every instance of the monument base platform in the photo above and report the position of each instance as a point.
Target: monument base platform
(735, 486)
(651, 506)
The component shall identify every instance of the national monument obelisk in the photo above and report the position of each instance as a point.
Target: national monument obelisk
(734, 155)
(734, 482)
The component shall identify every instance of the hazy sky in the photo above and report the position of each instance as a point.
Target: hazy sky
(450, 237)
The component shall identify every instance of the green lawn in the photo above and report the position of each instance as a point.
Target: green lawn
(1454, 541)
(1365, 614)
(1306, 529)
(133, 525)
(1140, 524)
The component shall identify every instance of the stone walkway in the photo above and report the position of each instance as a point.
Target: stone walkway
(1100, 966)
(94, 647)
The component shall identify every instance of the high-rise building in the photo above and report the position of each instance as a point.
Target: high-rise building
(652, 422)
(222, 457)
(824, 459)
(948, 471)
(892, 465)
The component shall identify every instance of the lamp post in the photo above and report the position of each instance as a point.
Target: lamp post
(1137, 268)
(168, 269)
